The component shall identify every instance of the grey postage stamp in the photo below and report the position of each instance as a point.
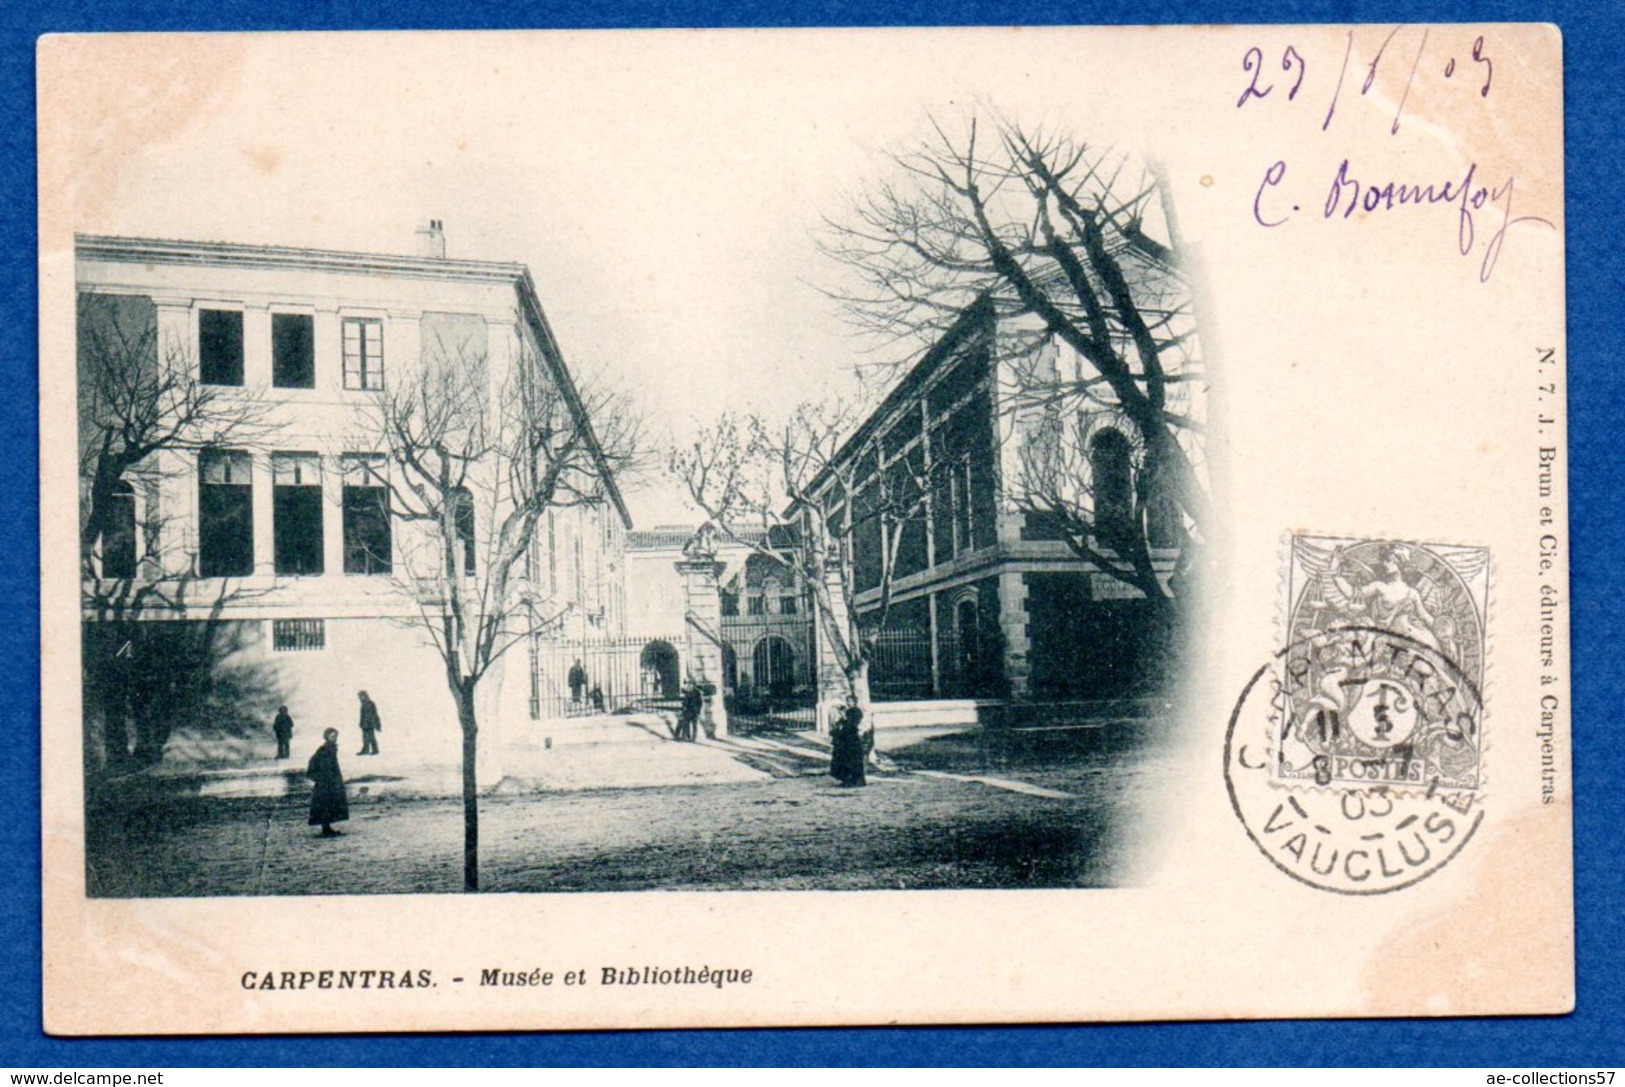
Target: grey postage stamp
(1384, 666)
(1353, 757)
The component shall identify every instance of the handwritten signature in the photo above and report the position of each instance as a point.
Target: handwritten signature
(1467, 195)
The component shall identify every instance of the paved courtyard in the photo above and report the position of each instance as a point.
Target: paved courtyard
(755, 813)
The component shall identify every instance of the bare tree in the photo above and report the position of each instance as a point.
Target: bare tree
(139, 402)
(789, 491)
(1072, 247)
(471, 466)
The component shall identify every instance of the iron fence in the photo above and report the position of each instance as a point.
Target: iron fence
(603, 675)
(904, 665)
(794, 712)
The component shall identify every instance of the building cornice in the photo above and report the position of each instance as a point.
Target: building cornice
(280, 258)
(530, 309)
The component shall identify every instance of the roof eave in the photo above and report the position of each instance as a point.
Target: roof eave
(530, 306)
(974, 314)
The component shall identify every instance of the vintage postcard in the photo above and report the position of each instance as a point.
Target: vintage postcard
(658, 529)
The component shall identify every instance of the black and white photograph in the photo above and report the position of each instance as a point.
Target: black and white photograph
(861, 563)
(745, 508)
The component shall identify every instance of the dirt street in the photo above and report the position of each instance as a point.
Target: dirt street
(945, 819)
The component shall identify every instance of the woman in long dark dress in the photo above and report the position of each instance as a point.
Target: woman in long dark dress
(328, 803)
(846, 747)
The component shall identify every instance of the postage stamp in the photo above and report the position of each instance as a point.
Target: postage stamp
(1353, 757)
(1385, 666)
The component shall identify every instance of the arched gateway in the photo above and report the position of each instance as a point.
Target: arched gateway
(659, 666)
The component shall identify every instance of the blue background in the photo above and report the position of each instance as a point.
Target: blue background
(1594, 45)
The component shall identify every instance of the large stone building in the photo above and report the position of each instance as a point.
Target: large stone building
(261, 564)
(987, 600)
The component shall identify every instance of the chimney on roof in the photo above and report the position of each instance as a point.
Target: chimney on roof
(432, 240)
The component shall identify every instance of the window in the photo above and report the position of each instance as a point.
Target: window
(118, 533)
(961, 486)
(552, 555)
(1112, 483)
(220, 347)
(533, 564)
(787, 604)
(580, 572)
(368, 548)
(298, 635)
(730, 603)
(293, 351)
(225, 514)
(297, 512)
(868, 541)
(756, 605)
(462, 512)
(363, 353)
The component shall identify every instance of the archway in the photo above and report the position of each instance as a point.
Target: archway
(659, 667)
(1112, 479)
(730, 668)
(774, 667)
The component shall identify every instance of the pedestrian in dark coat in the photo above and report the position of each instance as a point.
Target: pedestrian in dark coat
(328, 802)
(371, 726)
(689, 717)
(846, 747)
(283, 727)
(577, 679)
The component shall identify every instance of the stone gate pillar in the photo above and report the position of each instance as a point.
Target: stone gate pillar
(702, 627)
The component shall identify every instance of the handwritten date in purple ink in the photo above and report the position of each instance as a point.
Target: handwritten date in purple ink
(1294, 68)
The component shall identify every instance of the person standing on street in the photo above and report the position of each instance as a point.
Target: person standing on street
(328, 802)
(846, 747)
(688, 717)
(371, 726)
(283, 728)
(577, 680)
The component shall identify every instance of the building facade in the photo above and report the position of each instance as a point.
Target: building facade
(766, 626)
(983, 598)
(253, 551)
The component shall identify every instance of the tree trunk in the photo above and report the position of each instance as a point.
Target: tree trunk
(857, 684)
(1165, 649)
(471, 796)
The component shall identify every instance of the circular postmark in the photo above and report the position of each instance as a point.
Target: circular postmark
(1344, 760)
